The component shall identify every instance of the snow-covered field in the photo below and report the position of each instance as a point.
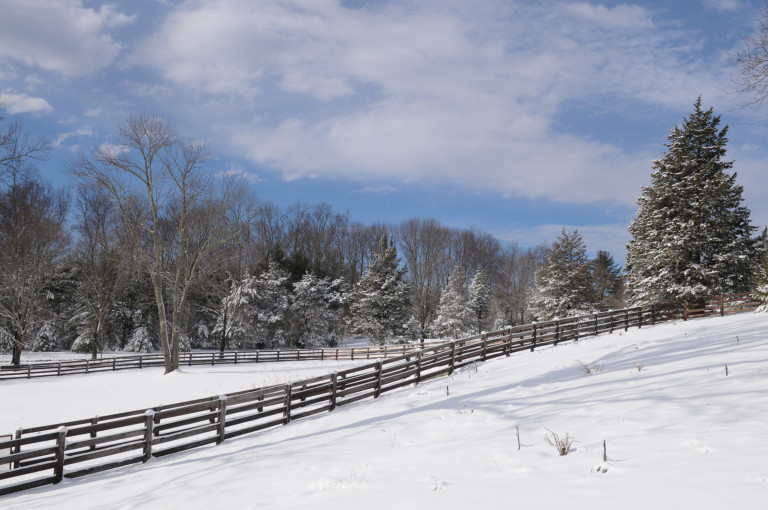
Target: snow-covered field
(680, 433)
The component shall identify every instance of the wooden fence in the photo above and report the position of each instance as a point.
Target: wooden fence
(109, 364)
(721, 305)
(82, 447)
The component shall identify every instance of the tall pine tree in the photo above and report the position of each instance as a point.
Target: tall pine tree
(380, 300)
(692, 237)
(564, 283)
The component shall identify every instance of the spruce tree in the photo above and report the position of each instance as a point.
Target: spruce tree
(607, 281)
(564, 283)
(255, 310)
(692, 237)
(380, 300)
(479, 299)
(455, 316)
(316, 309)
(761, 285)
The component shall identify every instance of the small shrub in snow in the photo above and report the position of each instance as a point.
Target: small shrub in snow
(591, 369)
(561, 444)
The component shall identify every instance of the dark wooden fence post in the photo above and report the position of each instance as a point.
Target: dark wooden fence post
(557, 331)
(722, 306)
(611, 321)
(453, 358)
(222, 418)
(61, 445)
(17, 448)
(94, 421)
(685, 310)
(535, 332)
(334, 384)
(149, 425)
(379, 370)
(595, 324)
(485, 346)
(626, 319)
(287, 412)
(418, 367)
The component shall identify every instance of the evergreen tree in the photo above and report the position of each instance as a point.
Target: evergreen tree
(140, 341)
(607, 281)
(47, 338)
(564, 283)
(456, 317)
(761, 285)
(380, 300)
(316, 311)
(479, 298)
(255, 310)
(692, 237)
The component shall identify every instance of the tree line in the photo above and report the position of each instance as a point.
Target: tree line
(151, 251)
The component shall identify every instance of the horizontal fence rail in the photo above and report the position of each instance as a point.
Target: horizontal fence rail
(39, 456)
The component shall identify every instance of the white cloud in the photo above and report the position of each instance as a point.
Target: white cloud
(69, 134)
(113, 150)
(22, 103)
(724, 5)
(236, 171)
(59, 35)
(377, 189)
(456, 92)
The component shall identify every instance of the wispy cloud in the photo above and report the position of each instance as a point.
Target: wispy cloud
(69, 134)
(724, 5)
(236, 171)
(22, 103)
(377, 189)
(430, 92)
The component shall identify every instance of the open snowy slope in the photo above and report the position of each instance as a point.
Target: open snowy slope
(680, 433)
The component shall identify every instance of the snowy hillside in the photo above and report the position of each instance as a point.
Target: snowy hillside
(680, 433)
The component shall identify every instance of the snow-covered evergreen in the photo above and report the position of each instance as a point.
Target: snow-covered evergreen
(692, 237)
(564, 283)
(379, 301)
(47, 338)
(761, 285)
(254, 312)
(456, 317)
(480, 299)
(607, 282)
(140, 341)
(316, 311)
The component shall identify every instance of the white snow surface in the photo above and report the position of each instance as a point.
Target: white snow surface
(680, 433)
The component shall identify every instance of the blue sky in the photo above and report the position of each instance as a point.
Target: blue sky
(518, 117)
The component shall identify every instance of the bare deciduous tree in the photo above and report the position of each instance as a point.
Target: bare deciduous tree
(18, 148)
(32, 241)
(103, 265)
(172, 209)
(752, 61)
